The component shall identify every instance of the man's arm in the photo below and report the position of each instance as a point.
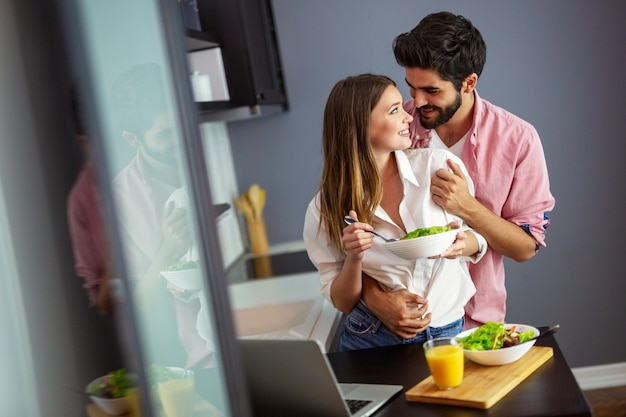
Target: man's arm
(104, 299)
(177, 240)
(402, 312)
(450, 191)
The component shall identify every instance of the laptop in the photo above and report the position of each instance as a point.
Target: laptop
(292, 377)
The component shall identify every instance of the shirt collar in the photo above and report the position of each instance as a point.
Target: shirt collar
(478, 111)
(404, 168)
(406, 172)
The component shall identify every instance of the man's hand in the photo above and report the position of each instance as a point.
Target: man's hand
(402, 312)
(450, 190)
(177, 237)
(104, 297)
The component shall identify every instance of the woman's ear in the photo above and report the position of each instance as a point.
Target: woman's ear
(131, 138)
(470, 83)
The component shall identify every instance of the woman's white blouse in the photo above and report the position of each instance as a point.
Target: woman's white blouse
(445, 283)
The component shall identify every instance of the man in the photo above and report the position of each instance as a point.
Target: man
(443, 57)
(155, 232)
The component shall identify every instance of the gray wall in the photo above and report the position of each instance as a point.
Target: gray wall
(558, 64)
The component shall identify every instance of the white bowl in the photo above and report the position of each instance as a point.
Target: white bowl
(113, 406)
(186, 279)
(423, 246)
(500, 356)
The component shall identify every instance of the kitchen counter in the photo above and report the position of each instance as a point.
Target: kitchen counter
(277, 295)
(286, 306)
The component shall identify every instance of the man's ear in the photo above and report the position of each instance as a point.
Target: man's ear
(131, 138)
(470, 83)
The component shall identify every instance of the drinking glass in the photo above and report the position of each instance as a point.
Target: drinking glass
(445, 361)
(178, 394)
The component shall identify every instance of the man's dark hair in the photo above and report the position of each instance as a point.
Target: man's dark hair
(446, 43)
(137, 97)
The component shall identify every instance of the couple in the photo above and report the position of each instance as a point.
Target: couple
(483, 168)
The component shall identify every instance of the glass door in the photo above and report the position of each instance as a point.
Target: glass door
(171, 297)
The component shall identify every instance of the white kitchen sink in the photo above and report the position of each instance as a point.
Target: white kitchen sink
(284, 307)
(295, 319)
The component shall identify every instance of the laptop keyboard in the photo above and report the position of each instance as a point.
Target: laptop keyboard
(356, 405)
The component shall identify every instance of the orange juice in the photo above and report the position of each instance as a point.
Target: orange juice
(177, 397)
(134, 409)
(445, 362)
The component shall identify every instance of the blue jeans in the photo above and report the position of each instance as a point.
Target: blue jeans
(362, 330)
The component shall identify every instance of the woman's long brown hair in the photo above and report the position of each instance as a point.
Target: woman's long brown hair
(350, 178)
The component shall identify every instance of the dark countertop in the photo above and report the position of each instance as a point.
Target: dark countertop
(551, 390)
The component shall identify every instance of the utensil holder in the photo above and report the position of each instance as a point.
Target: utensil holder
(257, 235)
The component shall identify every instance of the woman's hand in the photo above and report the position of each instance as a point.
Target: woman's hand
(357, 238)
(458, 246)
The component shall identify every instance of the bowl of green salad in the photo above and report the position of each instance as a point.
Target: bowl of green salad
(423, 242)
(110, 392)
(497, 343)
(184, 275)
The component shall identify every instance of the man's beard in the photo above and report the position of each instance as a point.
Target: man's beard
(444, 116)
(167, 156)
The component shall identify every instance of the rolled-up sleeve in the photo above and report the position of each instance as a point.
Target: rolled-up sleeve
(530, 198)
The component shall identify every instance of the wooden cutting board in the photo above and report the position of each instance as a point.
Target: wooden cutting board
(482, 386)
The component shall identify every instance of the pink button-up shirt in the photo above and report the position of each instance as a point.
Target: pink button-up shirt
(89, 242)
(504, 157)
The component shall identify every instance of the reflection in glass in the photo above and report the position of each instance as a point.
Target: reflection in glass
(143, 166)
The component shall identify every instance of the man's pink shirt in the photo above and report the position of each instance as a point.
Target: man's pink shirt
(504, 157)
(87, 230)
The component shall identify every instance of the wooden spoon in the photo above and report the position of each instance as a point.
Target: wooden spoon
(256, 196)
(244, 206)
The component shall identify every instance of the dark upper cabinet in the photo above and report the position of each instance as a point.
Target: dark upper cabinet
(245, 33)
(199, 40)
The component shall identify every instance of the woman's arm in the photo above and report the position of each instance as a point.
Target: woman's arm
(346, 288)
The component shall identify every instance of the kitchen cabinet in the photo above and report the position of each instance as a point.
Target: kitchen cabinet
(205, 60)
(244, 32)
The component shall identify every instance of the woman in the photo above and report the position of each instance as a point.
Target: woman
(371, 175)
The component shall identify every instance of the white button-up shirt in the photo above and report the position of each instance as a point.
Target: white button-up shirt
(445, 283)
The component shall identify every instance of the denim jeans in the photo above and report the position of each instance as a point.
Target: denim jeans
(363, 330)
